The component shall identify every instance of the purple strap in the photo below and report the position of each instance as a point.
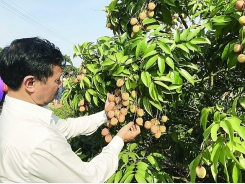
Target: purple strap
(1, 88)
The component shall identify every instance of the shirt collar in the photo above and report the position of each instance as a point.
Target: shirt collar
(28, 109)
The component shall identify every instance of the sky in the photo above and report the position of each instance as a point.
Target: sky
(62, 22)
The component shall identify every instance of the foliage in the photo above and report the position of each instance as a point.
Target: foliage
(182, 64)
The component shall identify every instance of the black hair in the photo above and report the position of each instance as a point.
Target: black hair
(28, 56)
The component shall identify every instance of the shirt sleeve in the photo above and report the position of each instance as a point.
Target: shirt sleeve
(85, 125)
(53, 161)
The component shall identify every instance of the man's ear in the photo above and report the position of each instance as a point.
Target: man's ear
(28, 83)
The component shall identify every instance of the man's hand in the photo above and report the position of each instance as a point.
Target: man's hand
(129, 132)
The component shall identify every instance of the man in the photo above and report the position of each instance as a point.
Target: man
(33, 146)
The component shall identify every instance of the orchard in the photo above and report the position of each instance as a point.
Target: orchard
(175, 68)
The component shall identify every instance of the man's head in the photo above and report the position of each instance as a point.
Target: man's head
(29, 66)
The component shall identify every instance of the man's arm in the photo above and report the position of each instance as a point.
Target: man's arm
(84, 125)
(54, 161)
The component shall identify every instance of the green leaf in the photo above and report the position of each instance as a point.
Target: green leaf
(150, 62)
(142, 165)
(91, 68)
(204, 117)
(75, 50)
(165, 48)
(153, 162)
(200, 41)
(149, 54)
(138, 49)
(161, 64)
(125, 176)
(140, 178)
(229, 153)
(153, 91)
(186, 75)
(132, 146)
(177, 36)
(189, 65)
(87, 96)
(184, 34)
(232, 59)
(95, 100)
(227, 128)
(148, 21)
(146, 78)
(147, 105)
(226, 51)
(183, 47)
(242, 102)
(214, 130)
(133, 156)
(118, 176)
(214, 157)
(192, 47)
(129, 61)
(170, 62)
(162, 84)
(222, 159)
(129, 178)
(107, 62)
(130, 168)
(150, 47)
(111, 179)
(234, 104)
(174, 86)
(236, 174)
(193, 34)
(222, 19)
(125, 158)
(119, 70)
(87, 81)
(235, 123)
(164, 78)
(156, 104)
(192, 168)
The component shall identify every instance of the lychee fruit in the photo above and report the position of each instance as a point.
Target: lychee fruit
(237, 47)
(164, 119)
(108, 138)
(136, 28)
(151, 6)
(125, 96)
(241, 58)
(120, 82)
(104, 132)
(139, 121)
(242, 20)
(200, 171)
(147, 125)
(133, 21)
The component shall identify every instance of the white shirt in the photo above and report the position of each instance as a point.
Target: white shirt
(34, 147)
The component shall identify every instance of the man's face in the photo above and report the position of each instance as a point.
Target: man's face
(45, 92)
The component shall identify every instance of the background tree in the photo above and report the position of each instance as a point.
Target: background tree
(183, 59)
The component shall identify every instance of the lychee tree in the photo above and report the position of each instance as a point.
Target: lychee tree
(176, 69)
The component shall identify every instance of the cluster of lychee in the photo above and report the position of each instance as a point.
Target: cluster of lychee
(136, 22)
(240, 5)
(177, 22)
(156, 127)
(82, 106)
(119, 106)
(80, 77)
(109, 24)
